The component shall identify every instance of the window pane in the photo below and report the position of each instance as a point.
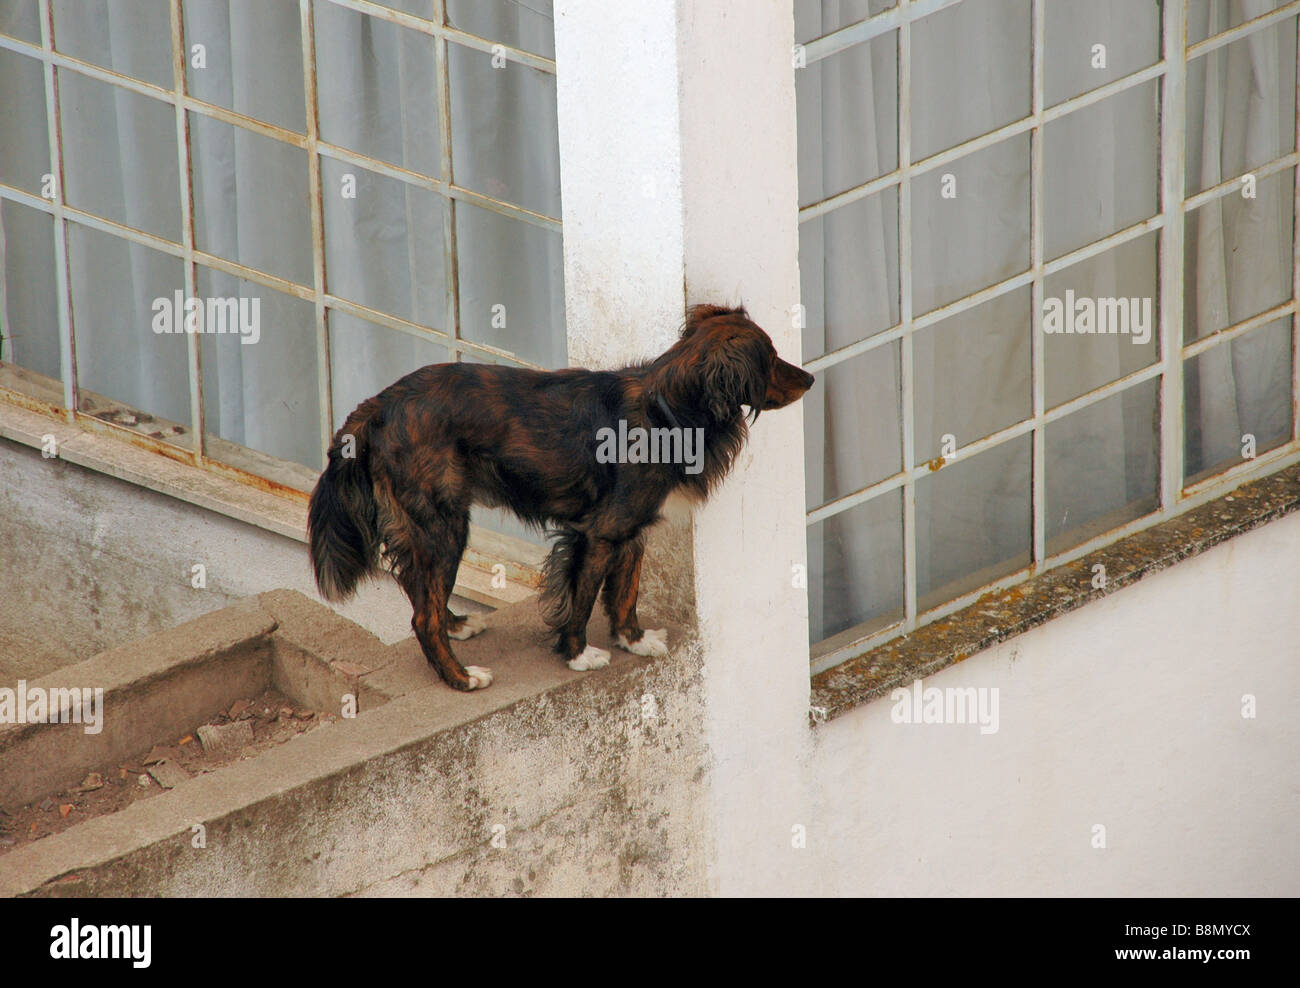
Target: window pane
(21, 19)
(814, 18)
(131, 37)
(505, 138)
(855, 569)
(511, 285)
(250, 199)
(1103, 465)
(420, 8)
(972, 373)
(529, 26)
(119, 155)
(1241, 106)
(1210, 17)
(29, 312)
(132, 364)
(1237, 390)
(260, 384)
(970, 224)
(1238, 256)
(365, 359)
(1129, 32)
(974, 522)
(384, 247)
(252, 59)
(847, 107)
(979, 49)
(24, 162)
(1100, 319)
(384, 106)
(848, 272)
(853, 425)
(1101, 169)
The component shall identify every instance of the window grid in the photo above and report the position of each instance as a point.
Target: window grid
(193, 356)
(1037, 347)
(315, 192)
(905, 313)
(1175, 496)
(183, 103)
(67, 344)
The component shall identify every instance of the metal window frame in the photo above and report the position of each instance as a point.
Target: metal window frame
(1175, 496)
(183, 103)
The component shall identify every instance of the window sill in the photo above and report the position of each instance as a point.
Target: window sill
(1003, 614)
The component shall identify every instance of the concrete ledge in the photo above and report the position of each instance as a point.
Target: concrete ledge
(406, 796)
(1000, 615)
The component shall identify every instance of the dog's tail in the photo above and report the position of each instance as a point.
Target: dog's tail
(342, 520)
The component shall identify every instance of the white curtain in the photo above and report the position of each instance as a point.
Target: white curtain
(1239, 249)
(971, 74)
(377, 95)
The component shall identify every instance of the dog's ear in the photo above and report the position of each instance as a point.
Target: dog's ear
(698, 314)
(735, 372)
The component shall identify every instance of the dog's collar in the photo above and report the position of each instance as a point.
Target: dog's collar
(666, 410)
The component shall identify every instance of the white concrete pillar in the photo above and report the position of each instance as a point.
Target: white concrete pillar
(678, 174)
(740, 192)
(620, 178)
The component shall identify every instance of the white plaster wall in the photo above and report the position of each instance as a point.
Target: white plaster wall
(90, 562)
(1125, 713)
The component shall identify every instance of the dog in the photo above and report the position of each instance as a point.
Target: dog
(408, 463)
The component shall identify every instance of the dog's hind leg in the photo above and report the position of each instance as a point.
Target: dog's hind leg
(436, 545)
(461, 626)
(620, 594)
(574, 572)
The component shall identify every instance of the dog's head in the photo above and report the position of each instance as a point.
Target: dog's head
(724, 361)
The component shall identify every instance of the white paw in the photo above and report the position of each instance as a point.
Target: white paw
(591, 658)
(479, 678)
(653, 643)
(471, 626)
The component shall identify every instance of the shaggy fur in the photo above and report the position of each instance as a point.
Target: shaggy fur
(407, 464)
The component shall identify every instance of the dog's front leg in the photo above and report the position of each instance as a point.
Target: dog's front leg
(621, 589)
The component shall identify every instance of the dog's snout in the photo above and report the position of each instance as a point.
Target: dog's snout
(788, 384)
(796, 377)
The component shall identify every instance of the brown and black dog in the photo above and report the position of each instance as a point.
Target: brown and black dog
(407, 464)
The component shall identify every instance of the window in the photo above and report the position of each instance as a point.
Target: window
(346, 190)
(1049, 272)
